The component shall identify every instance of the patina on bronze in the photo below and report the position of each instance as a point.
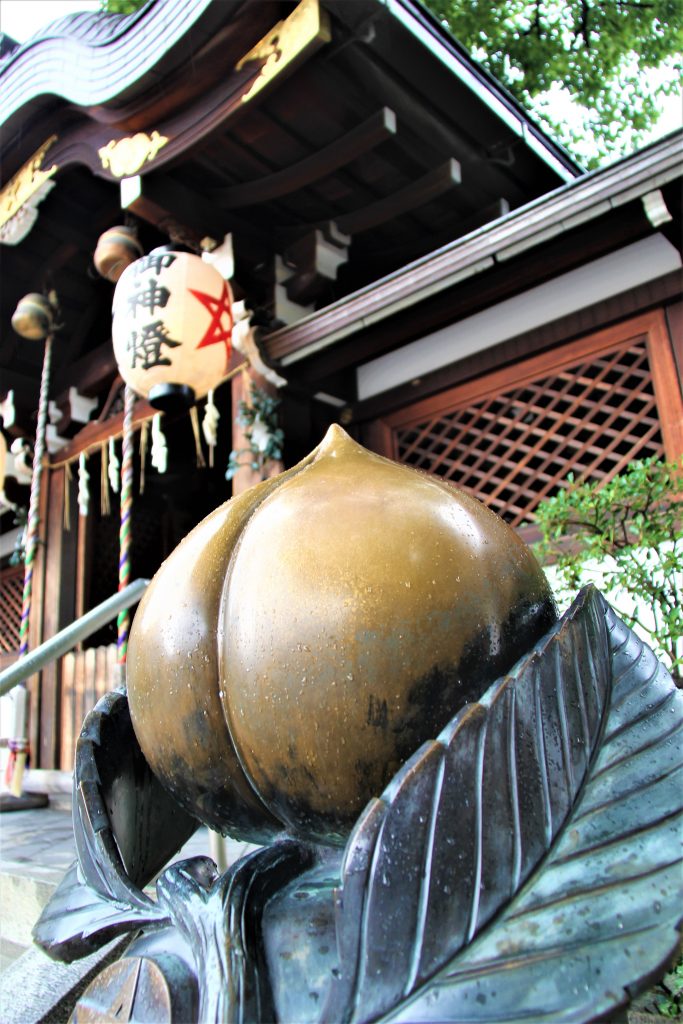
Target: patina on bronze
(308, 636)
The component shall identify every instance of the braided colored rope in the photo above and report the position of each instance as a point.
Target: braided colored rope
(123, 619)
(19, 744)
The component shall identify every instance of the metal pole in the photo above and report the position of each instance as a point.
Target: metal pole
(68, 637)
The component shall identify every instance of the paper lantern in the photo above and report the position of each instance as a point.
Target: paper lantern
(172, 327)
(34, 317)
(116, 249)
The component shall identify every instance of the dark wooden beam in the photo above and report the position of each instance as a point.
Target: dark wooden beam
(432, 185)
(398, 255)
(586, 242)
(168, 204)
(97, 433)
(90, 374)
(375, 130)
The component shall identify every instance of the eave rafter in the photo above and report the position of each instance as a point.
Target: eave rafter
(359, 140)
(430, 186)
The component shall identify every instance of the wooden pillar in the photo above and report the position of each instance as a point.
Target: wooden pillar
(241, 392)
(661, 352)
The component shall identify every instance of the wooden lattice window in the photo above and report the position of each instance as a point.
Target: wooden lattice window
(512, 437)
(11, 590)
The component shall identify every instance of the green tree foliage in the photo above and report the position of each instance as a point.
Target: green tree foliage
(614, 58)
(627, 537)
(121, 6)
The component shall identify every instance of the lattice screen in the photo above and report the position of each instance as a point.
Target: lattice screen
(513, 449)
(11, 590)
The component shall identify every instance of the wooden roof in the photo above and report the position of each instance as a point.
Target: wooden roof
(581, 220)
(358, 125)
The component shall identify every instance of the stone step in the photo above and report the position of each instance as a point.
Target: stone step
(22, 898)
(36, 849)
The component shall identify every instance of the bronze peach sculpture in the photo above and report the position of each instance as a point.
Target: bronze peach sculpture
(331, 620)
(355, 644)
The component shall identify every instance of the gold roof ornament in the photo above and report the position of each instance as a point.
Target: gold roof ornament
(306, 29)
(20, 197)
(125, 157)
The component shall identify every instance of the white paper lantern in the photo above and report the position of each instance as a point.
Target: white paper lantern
(172, 327)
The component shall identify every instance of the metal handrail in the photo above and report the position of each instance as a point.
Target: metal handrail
(68, 637)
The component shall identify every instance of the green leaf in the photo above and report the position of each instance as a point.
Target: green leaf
(613, 60)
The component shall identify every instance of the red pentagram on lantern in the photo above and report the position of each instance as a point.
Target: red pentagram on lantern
(219, 308)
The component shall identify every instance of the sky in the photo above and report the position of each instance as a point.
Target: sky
(21, 18)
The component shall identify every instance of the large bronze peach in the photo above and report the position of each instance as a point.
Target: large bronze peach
(309, 635)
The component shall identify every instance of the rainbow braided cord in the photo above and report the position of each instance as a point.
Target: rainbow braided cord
(123, 619)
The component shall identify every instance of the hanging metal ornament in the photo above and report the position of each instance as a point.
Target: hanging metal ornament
(172, 328)
(34, 317)
(116, 249)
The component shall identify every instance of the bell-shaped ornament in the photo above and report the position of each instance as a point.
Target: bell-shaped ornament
(117, 248)
(34, 317)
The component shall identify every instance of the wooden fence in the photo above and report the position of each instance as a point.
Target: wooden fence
(11, 588)
(512, 436)
(85, 677)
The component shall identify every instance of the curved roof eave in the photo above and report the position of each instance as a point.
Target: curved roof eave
(425, 26)
(91, 59)
(526, 228)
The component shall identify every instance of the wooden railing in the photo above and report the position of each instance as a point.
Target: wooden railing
(69, 681)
